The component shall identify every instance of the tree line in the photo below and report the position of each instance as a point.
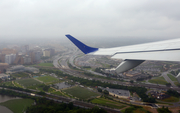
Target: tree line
(141, 91)
(49, 106)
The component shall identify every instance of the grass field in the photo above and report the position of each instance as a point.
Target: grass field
(177, 83)
(18, 105)
(158, 80)
(172, 77)
(109, 103)
(58, 93)
(81, 93)
(20, 74)
(28, 82)
(171, 99)
(7, 83)
(46, 64)
(17, 85)
(47, 79)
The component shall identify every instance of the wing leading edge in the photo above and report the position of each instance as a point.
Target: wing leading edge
(134, 55)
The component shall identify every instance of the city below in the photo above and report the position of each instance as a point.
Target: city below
(65, 75)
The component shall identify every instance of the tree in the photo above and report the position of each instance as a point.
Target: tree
(99, 90)
(106, 92)
(168, 84)
(131, 81)
(163, 110)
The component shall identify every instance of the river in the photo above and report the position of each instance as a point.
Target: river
(4, 98)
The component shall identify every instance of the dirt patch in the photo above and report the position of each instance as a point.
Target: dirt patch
(153, 110)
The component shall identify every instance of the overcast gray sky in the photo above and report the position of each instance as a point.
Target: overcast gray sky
(90, 18)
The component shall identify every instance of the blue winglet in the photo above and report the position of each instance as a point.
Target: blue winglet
(84, 48)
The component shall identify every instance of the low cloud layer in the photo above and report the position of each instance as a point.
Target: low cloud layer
(90, 18)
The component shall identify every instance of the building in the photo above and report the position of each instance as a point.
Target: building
(32, 69)
(118, 93)
(2, 58)
(48, 52)
(27, 59)
(7, 51)
(19, 59)
(10, 58)
(35, 56)
(4, 76)
(21, 68)
(3, 67)
(25, 49)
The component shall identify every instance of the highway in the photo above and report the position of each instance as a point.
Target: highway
(78, 73)
(164, 74)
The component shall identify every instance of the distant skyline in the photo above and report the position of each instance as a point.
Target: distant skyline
(89, 19)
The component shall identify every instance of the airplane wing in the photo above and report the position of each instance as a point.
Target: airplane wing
(134, 55)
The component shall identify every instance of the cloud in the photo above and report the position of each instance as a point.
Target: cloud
(105, 18)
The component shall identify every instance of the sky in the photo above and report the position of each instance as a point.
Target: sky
(90, 18)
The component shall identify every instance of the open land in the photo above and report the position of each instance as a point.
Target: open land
(172, 77)
(109, 103)
(158, 80)
(28, 82)
(47, 79)
(81, 93)
(18, 105)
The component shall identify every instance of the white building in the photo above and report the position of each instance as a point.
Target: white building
(118, 93)
(10, 58)
(32, 69)
(21, 68)
(4, 76)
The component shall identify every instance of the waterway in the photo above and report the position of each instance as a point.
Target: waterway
(4, 98)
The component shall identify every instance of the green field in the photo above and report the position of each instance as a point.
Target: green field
(158, 80)
(47, 79)
(177, 84)
(171, 99)
(109, 103)
(7, 83)
(20, 74)
(17, 85)
(172, 77)
(46, 64)
(28, 82)
(81, 93)
(58, 93)
(18, 105)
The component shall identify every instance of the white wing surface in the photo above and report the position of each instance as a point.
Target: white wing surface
(134, 55)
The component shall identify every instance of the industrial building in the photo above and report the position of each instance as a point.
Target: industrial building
(4, 76)
(118, 93)
(21, 68)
